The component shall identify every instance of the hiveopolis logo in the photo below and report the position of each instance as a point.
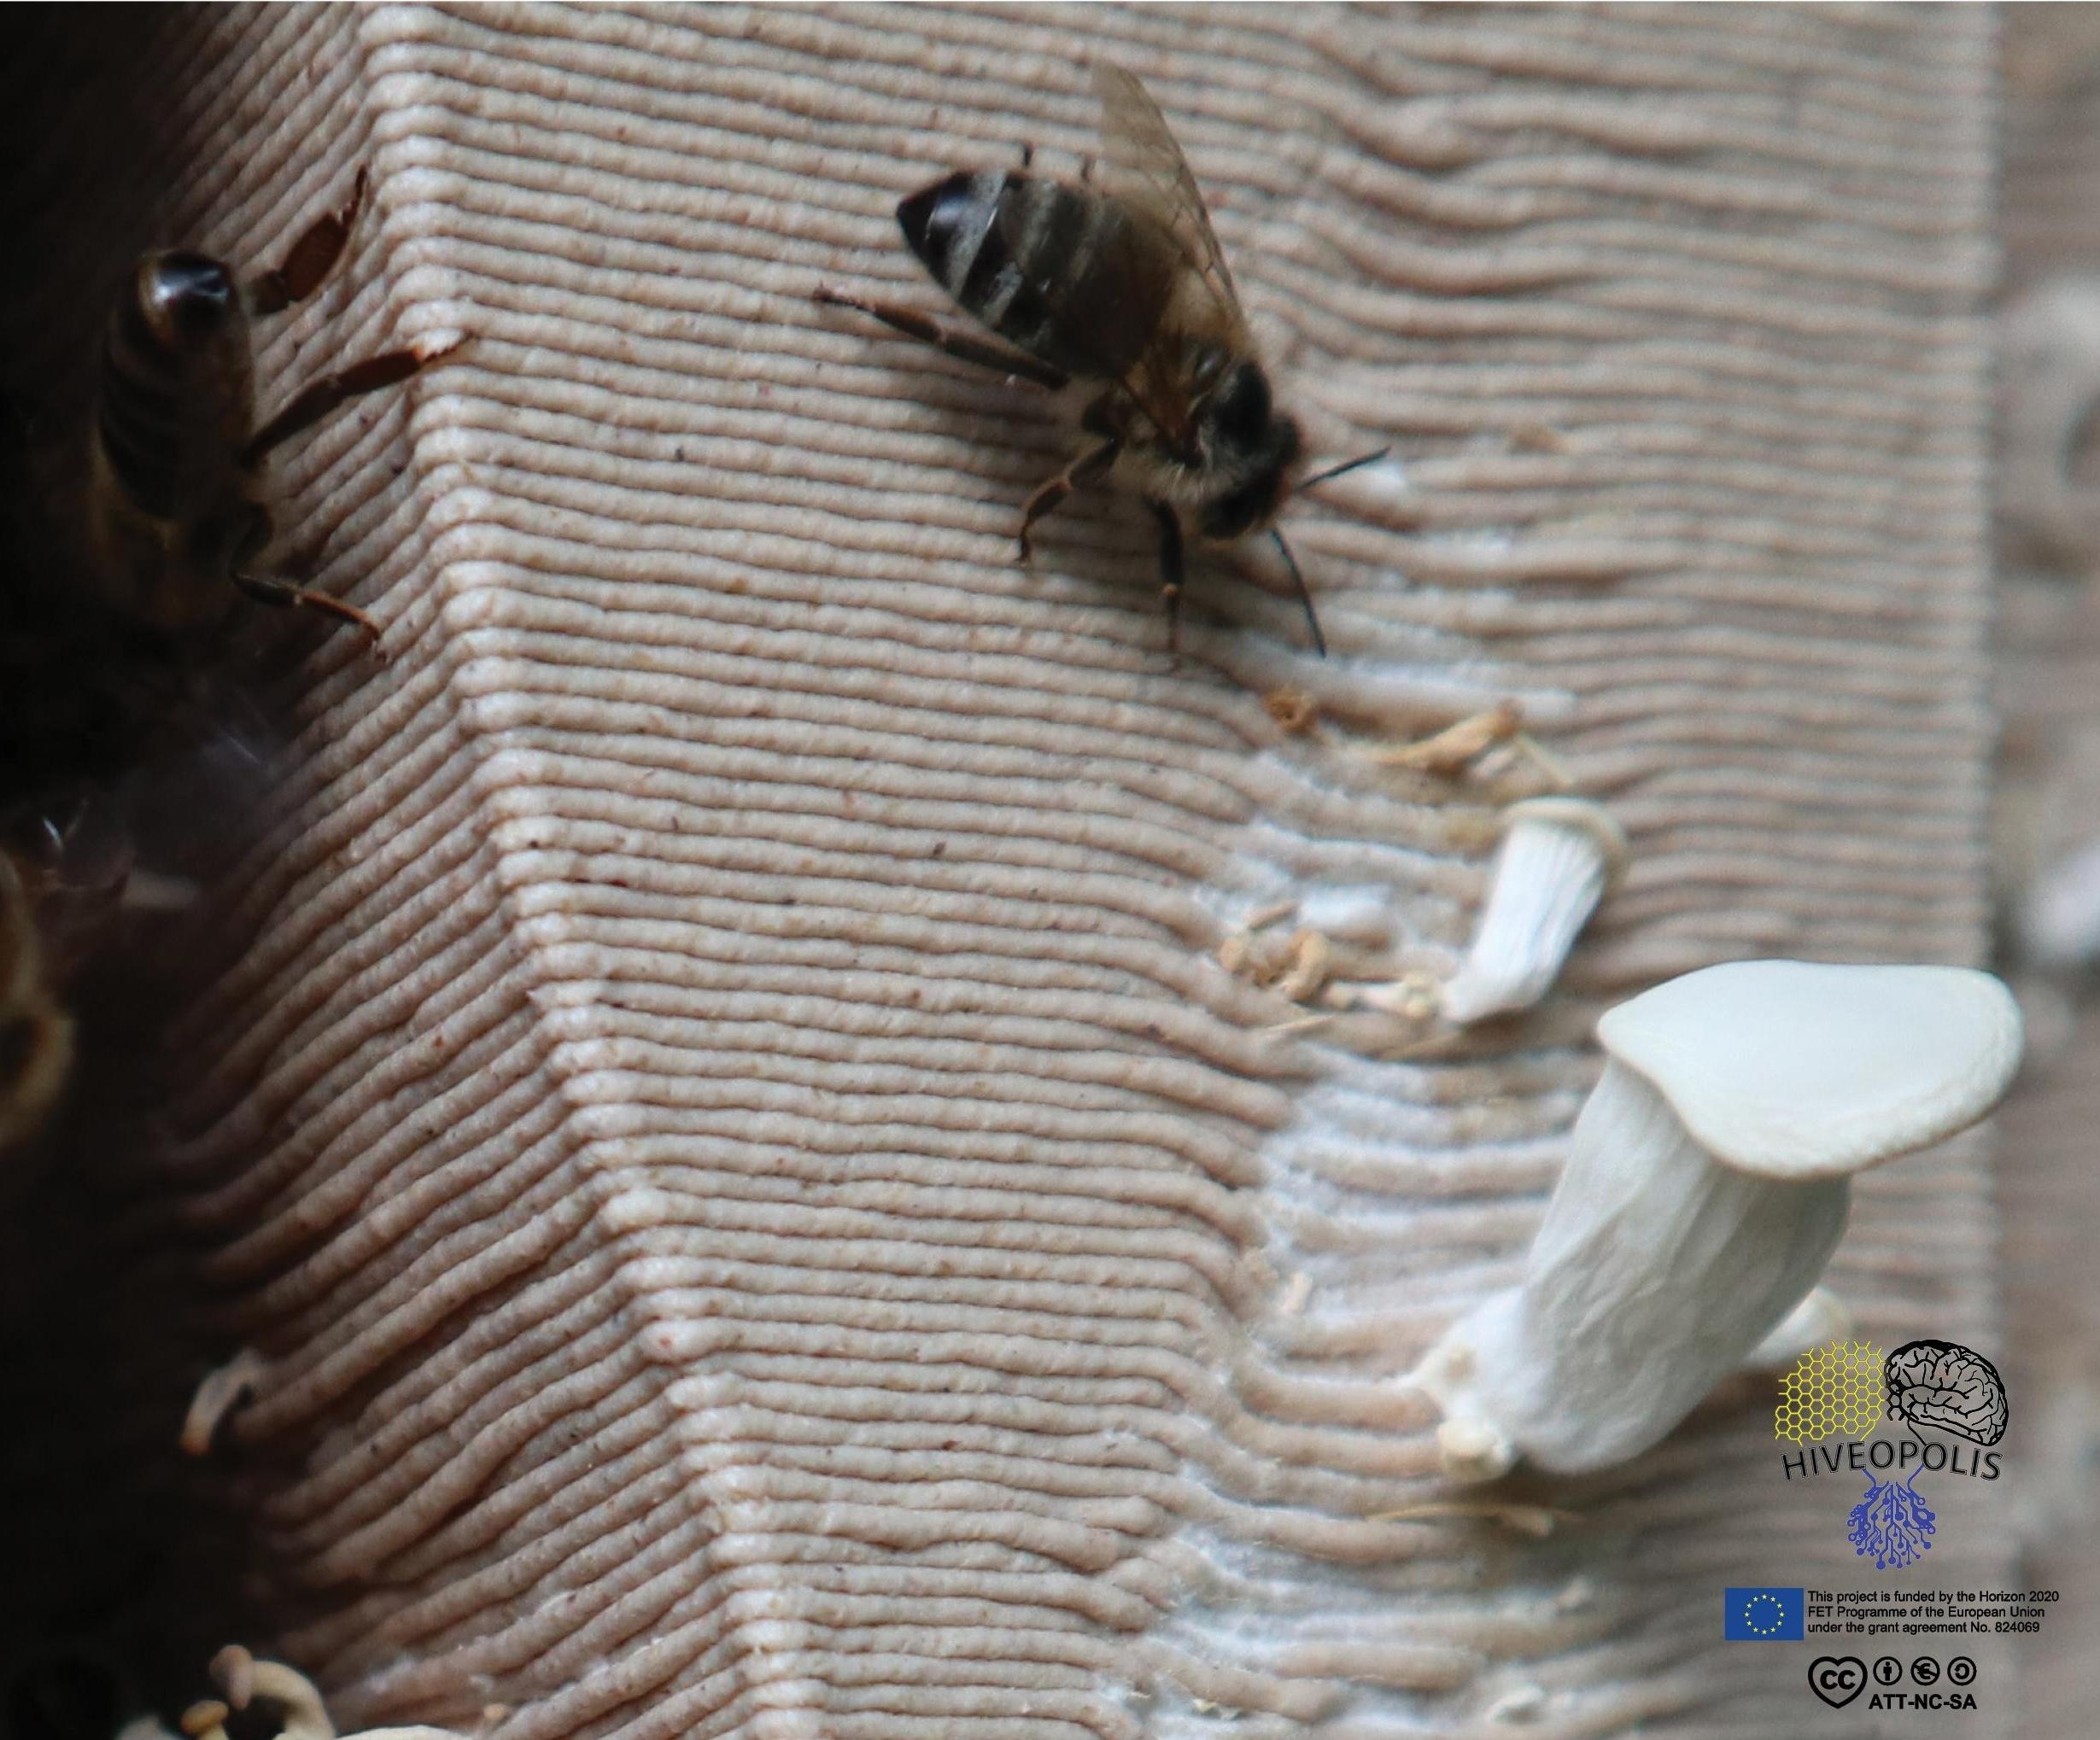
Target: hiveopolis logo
(1846, 1388)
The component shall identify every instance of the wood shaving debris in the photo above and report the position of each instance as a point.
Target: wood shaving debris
(1411, 997)
(1522, 758)
(1292, 708)
(1520, 1703)
(1312, 959)
(1536, 1521)
(1456, 747)
(1304, 1024)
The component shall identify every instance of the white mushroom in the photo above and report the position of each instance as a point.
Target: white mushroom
(1558, 857)
(2060, 917)
(220, 1393)
(1819, 1319)
(301, 1714)
(1708, 1181)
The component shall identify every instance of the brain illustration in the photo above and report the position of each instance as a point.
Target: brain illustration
(1944, 1385)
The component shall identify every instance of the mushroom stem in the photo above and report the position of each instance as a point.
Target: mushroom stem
(1556, 859)
(1648, 1282)
(1817, 1320)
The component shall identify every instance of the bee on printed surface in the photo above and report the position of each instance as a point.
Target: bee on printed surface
(1122, 291)
(173, 524)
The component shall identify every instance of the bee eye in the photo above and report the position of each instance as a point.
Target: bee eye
(1241, 410)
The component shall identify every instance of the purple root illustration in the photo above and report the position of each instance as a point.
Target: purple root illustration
(1893, 1522)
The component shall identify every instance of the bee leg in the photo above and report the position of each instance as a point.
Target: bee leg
(1027, 155)
(1089, 468)
(268, 589)
(1171, 570)
(311, 259)
(323, 396)
(1086, 169)
(945, 338)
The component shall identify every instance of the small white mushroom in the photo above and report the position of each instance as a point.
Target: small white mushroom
(2060, 917)
(220, 1393)
(1558, 857)
(1708, 1181)
(301, 1714)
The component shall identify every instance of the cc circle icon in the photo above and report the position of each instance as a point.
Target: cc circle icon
(1961, 1671)
(1925, 1670)
(1887, 1671)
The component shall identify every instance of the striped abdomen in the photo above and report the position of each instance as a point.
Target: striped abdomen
(1062, 272)
(173, 402)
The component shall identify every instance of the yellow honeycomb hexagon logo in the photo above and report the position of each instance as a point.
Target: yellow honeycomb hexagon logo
(1833, 1389)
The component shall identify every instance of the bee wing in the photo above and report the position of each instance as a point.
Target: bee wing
(1147, 170)
(1111, 319)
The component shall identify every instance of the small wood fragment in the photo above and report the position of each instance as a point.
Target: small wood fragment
(1456, 747)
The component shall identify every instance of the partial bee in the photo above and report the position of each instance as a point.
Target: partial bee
(36, 1033)
(174, 522)
(1122, 291)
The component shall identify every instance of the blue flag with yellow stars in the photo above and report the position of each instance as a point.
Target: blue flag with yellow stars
(1761, 1616)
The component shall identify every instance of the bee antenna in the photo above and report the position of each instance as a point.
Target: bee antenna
(1333, 471)
(1305, 598)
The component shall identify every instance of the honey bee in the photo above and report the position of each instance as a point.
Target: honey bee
(1122, 291)
(173, 524)
(65, 874)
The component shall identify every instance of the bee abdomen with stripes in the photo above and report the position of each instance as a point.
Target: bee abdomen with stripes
(1034, 259)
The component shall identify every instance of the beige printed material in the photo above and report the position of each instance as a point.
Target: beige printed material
(761, 1213)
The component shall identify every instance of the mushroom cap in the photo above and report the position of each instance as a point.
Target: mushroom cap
(1794, 1070)
(1583, 816)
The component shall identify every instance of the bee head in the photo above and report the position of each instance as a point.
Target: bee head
(1249, 439)
(187, 299)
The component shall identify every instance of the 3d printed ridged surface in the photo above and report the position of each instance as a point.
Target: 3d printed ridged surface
(761, 1213)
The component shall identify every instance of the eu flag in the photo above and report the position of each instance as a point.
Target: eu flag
(1761, 1616)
